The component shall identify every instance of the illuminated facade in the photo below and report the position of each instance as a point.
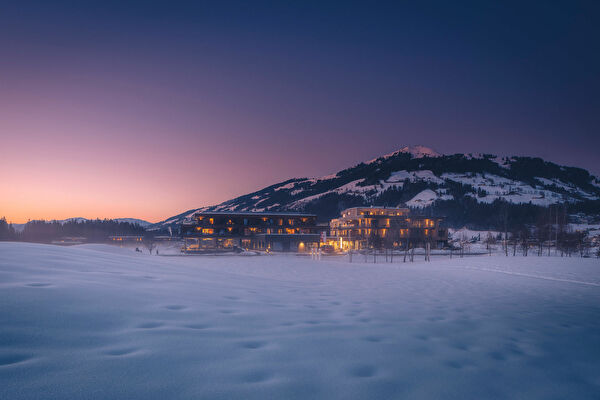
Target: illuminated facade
(366, 227)
(125, 238)
(209, 231)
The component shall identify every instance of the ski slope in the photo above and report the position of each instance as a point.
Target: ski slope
(102, 322)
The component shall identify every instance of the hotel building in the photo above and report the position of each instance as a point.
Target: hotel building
(367, 227)
(210, 231)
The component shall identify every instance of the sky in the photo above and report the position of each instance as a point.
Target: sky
(147, 109)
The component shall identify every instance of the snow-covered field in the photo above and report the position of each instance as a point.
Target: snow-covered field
(100, 322)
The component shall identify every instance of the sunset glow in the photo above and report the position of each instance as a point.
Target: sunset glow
(105, 115)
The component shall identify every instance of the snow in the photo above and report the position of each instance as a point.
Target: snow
(470, 233)
(350, 187)
(396, 180)
(498, 187)
(328, 177)
(286, 186)
(413, 176)
(417, 151)
(426, 198)
(19, 227)
(554, 182)
(96, 321)
(568, 188)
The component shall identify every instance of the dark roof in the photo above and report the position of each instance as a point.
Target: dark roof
(315, 236)
(377, 207)
(257, 214)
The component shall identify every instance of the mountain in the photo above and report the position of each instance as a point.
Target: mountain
(466, 188)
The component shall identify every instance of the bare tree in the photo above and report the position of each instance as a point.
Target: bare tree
(504, 222)
(540, 231)
(524, 236)
(464, 244)
(490, 242)
(149, 243)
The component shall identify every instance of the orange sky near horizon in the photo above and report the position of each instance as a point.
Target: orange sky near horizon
(78, 156)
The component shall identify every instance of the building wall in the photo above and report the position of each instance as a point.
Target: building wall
(359, 228)
(253, 231)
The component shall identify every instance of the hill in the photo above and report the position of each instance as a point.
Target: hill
(469, 189)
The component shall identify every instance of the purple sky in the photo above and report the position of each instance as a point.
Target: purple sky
(146, 109)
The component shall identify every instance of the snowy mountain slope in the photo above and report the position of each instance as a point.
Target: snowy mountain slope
(417, 176)
(427, 197)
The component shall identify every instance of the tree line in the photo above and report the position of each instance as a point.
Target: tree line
(47, 231)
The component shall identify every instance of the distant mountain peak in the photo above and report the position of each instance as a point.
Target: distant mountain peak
(416, 151)
(419, 151)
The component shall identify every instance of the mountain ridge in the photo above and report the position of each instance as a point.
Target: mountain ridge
(423, 179)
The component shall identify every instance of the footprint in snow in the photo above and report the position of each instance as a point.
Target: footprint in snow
(253, 344)
(197, 326)
(11, 359)
(120, 351)
(362, 371)
(150, 325)
(175, 307)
